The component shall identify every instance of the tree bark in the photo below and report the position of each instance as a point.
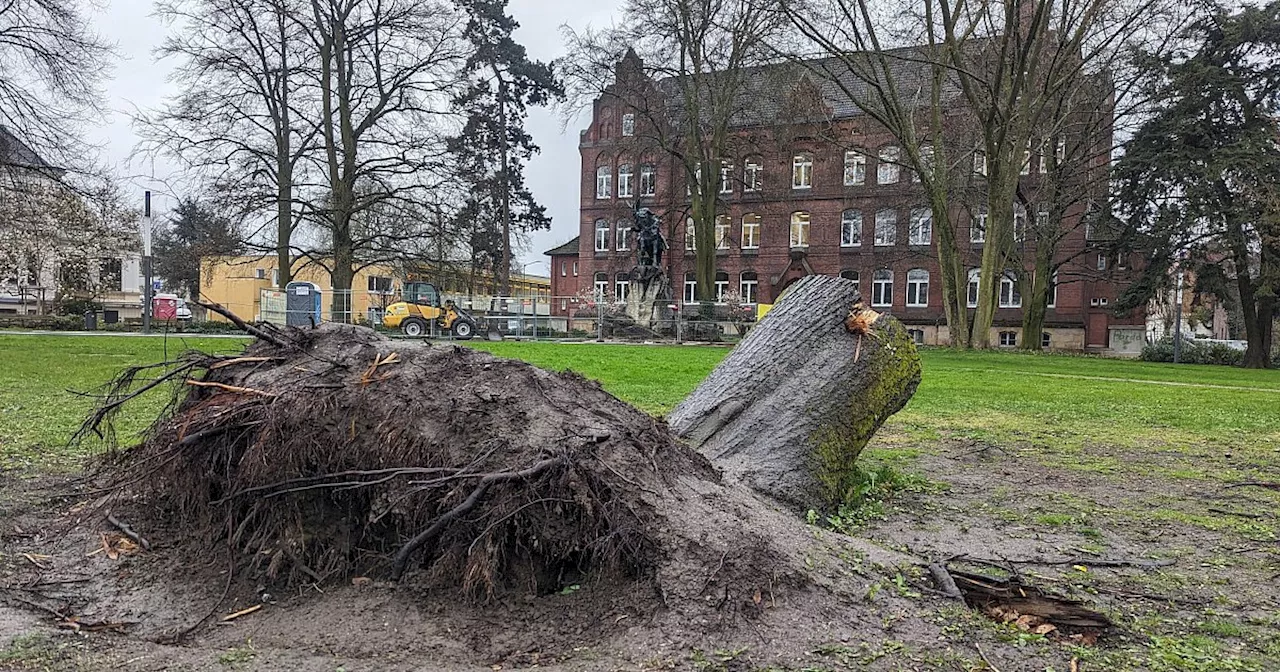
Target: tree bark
(791, 408)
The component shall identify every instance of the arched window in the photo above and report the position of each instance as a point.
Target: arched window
(1008, 339)
(624, 181)
(604, 182)
(886, 228)
(851, 228)
(1053, 291)
(690, 287)
(621, 283)
(622, 236)
(601, 286)
(648, 180)
(723, 226)
(722, 285)
(882, 288)
(802, 171)
(753, 174)
(887, 170)
(1010, 296)
(800, 229)
(1019, 222)
(850, 274)
(602, 235)
(972, 293)
(748, 286)
(917, 288)
(751, 231)
(690, 239)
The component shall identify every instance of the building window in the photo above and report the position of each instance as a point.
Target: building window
(1019, 222)
(621, 283)
(978, 227)
(1042, 223)
(648, 180)
(1010, 297)
(851, 228)
(726, 177)
(1122, 261)
(602, 235)
(722, 285)
(926, 163)
(564, 305)
(882, 288)
(628, 124)
(1026, 159)
(604, 182)
(917, 288)
(1044, 339)
(886, 228)
(975, 275)
(748, 286)
(260, 273)
(1008, 339)
(111, 274)
(690, 236)
(849, 274)
(601, 286)
(980, 162)
(378, 284)
(751, 232)
(1053, 291)
(799, 229)
(575, 268)
(624, 181)
(887, 171)
(917, 336)
(752, 175)
(802, 171)
(855, 169)
(1102, 261)
(622, 237)
(690, 288)
(697, 179)
(564, 268)
(723, 227)
(920, 231)
(275, 277)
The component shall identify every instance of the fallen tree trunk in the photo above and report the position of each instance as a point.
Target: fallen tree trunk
(791, 408)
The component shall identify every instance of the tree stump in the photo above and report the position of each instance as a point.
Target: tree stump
(789, 411)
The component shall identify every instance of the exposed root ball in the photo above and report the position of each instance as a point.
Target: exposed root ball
(344, 452)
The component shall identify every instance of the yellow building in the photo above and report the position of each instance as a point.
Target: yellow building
(243, 283)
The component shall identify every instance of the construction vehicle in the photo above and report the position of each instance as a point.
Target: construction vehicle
(420, 307)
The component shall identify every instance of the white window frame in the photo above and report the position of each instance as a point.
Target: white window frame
(625, 175)
(602, 235)
(628, 124)
(648, 180)
(724, 228)
(722, 286)
(621, 288)
(690, 288)
(690, 236)
(1013, 339)
(604, 183)
(886, 234)
(752, 176)
(564, 268)
(801, 223)
(1053, 291)
(980, 162)
(600, 287)
(978, 227)
(748, 288)
(855, 168)
(751, 242)
(857, 277)
(926, 162)
(882, 288)
(726, 177)
(1102, 261)
(1019, 222)
(887, 169)
(851, 228)
(802, 171)
(920, 229)
(275, 277)
(1026, 160)
(917, 288)
(1010, 296)
(972, 287)
(621, 237)
(575, 268)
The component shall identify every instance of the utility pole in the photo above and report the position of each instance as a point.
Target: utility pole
(146, 262)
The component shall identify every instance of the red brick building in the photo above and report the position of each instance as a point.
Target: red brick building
(818, 197)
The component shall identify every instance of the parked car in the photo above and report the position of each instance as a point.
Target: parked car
(184, 311)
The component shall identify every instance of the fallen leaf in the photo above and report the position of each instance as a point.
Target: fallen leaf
(1044, 628)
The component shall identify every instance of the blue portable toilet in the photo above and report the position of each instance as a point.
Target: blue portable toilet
(302, 304)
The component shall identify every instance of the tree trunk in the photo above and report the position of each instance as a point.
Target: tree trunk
(504, 269)
(1035, 299)
(791, 408)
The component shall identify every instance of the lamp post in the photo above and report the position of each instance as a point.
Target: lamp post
(146, 262)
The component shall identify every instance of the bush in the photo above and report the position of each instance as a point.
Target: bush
(1193, 352)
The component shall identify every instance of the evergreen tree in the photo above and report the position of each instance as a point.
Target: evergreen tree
(1199, 179)
(194, 232)
(493, 146)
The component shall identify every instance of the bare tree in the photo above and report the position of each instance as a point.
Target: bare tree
(50, 67)
(687, 70)
(240, 118)
(385, 72)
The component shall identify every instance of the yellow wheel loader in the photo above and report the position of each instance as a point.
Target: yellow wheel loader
(420, 307)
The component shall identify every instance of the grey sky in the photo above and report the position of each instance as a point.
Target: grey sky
(139, 81)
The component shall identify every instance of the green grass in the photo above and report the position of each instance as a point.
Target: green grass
(38, 411)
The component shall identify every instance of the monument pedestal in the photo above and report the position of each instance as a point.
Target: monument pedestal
(649, 299)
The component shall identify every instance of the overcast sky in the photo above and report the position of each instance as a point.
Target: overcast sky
(139, 81)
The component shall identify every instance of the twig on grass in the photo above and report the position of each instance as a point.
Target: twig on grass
(128, 531)
(1255, 484)
(985, 659)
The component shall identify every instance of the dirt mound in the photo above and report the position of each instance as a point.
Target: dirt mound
(335, 452)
